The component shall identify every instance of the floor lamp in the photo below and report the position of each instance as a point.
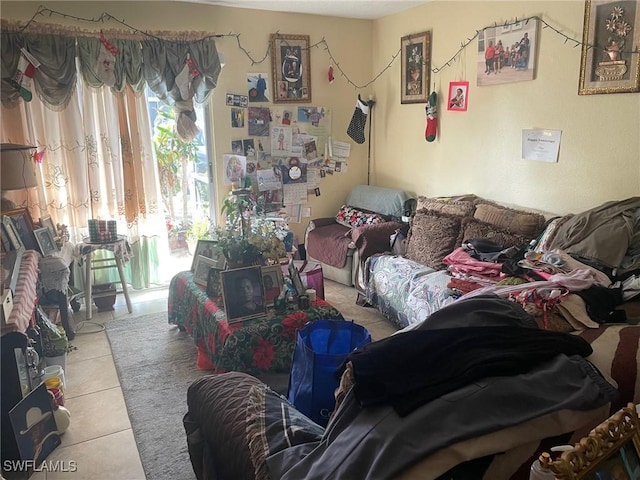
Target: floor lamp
(371, 102)
(17, 169)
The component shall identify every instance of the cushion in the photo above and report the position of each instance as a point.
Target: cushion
(432, 236)
(273, 425)
(472, 229)
(352, 217)
(451, 207)
(529, 224)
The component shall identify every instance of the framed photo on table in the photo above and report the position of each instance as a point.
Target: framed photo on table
(24, 226)
(201, 270)
(12, 233)
(47, 222)
(243, 293)
(214, 287)
(273, 282)
(415, 54)
(610, 35)
(209, 249)
(45, 241)
(294, 274)
(291, 68)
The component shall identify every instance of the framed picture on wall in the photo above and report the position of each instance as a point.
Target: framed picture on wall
(611, 32)
(458, 96)
(291, 68)
(415, 54)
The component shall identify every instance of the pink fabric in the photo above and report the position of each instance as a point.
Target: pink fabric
(460, 261)
(24, 297)
(573, 281)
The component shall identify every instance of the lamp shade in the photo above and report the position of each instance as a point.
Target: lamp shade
(18, 170)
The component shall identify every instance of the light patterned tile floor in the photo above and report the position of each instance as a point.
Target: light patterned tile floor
(100, 440)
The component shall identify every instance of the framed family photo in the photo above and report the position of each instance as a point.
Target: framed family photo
(243, 293)
(294, 274)
(458, 96)
(273, 281)
(610, 36)
(209, 249)
(415, 54)
(291, 68)
(45, 241)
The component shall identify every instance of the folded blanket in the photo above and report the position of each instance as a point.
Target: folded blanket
(329, 244)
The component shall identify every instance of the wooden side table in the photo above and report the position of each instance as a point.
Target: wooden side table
(121, 253)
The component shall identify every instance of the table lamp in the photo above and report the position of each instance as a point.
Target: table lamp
(17, 169)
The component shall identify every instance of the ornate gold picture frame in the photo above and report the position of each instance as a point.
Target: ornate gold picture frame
(610, 61)
(610, 451)
(415, 53)
(291, 68)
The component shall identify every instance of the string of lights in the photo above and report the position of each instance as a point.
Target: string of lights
(43, 11)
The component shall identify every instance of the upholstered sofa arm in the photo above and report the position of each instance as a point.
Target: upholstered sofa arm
(321, 222)
(371, 239)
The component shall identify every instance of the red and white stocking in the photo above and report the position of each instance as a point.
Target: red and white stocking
(105, 68)
(432, 118)
(22, 80)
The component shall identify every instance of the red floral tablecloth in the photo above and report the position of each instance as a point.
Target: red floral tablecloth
(255, 345)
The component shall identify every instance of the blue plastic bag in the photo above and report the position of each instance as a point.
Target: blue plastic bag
(321, 347)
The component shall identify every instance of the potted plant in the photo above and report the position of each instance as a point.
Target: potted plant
(55, 343)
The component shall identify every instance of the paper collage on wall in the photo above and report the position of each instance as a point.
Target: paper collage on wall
(288, 152)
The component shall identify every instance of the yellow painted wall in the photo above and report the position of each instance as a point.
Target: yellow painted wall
(476, 151)
(479, 150)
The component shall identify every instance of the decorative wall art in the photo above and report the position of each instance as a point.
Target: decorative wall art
(291, 68)
(611, 451)
(507, 53)
(415, 51)
(458, 96)
(611, 32)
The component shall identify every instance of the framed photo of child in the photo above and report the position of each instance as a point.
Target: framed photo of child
(243, 293)
(458, 96)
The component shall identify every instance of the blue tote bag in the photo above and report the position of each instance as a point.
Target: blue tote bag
(321, 347)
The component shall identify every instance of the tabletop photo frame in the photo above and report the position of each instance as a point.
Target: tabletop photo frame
(243, 293)
(209, 249)
(12, 233)
(608, 63)
(47, 222)
(23, 224)
(201, 270)
(291, 68)
(294, 274)
(415, 55)
(273, 281)
(45, 241)
(214, 285)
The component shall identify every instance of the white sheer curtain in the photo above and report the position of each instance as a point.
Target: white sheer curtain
(98, 163)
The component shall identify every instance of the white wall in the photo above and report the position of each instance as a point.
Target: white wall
(479, 150)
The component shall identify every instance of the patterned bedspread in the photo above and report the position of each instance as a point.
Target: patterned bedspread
(255, 345)
(404, 291)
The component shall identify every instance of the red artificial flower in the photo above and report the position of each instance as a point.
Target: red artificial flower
(263, 354)
(294, 322)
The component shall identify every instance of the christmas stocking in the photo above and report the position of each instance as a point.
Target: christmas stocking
(26, 70)
(106, 62)
(358, 121)
(184, 78)
(432, 118)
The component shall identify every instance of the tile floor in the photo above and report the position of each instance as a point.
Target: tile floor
(100, 439)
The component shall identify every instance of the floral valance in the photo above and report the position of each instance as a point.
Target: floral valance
(176, 71)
